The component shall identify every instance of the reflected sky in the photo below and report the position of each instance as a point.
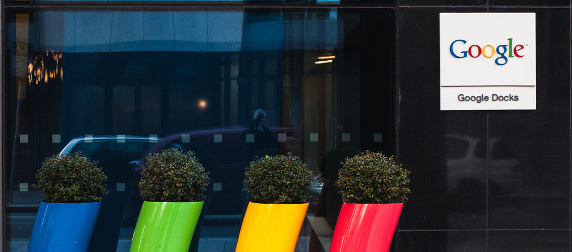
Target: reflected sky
(193, 31)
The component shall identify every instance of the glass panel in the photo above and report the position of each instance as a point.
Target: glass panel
(137, 82)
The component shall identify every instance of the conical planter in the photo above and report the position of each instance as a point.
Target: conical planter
(365, 227)
(166, 226)
(63, 226)
(271, 227)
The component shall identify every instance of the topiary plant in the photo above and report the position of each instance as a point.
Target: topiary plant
(71, 178)
(278, 180)
(173, 176)
(371, 177)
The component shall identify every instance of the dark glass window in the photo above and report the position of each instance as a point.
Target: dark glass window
(117, 85)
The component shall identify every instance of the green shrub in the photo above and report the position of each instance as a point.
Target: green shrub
(278, 180)
(71, 178)
(371, 177)
(173, 176)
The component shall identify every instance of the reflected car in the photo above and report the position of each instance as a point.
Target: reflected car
(117, 156)
(224, 152)
(467, 166)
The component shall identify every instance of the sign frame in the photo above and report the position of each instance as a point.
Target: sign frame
(487, 61)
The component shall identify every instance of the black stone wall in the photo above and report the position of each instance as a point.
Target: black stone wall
(483, 180)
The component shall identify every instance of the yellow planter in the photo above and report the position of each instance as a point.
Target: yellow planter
(271, 227)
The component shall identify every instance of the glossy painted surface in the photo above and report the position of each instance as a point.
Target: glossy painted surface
(63, 226)
(271, 227)
(365, 227)
(166, 226)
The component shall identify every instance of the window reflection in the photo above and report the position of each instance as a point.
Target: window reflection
(480, 169)
(45, 67)
(228, 85)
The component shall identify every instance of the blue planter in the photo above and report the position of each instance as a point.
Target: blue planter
(63, 226)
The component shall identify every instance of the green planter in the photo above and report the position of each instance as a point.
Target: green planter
(166, 226)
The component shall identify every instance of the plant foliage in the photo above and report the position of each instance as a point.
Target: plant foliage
(371, 177)
(71, 178)
(173, 176)
(278, 180)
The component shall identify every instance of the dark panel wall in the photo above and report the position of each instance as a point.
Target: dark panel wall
(483, 180)
(491, 3)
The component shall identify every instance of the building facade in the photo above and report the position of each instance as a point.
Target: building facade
(119, 79)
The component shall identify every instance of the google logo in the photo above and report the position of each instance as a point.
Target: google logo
(475, 51)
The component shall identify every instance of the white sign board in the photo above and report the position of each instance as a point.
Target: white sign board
(488, 61)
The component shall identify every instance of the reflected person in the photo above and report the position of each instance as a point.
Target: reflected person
(259, 140)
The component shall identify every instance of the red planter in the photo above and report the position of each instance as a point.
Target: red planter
(365, 227)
